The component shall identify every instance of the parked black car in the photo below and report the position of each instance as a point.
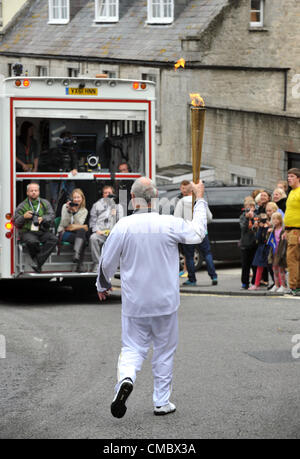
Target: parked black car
(225, 203)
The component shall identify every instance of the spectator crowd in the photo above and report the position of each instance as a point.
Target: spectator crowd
(270, 237)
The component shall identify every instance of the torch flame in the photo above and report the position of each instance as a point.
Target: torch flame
(180, 63)
(196, 100)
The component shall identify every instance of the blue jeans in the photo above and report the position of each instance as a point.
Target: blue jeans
(188, 252)
(204, 248)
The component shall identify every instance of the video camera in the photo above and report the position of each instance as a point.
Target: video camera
(114, 197)
(261, 219)
(73, 204)
(92, 163)
(44, 225)
(35, 218)
(66, 149)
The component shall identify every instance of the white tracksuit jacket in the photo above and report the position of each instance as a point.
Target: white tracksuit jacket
(145, 246)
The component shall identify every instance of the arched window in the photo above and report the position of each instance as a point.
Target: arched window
(160, 11)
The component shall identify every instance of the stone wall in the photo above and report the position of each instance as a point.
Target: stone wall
(229, 40)
(250, 144)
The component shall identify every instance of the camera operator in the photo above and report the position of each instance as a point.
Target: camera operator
(104, 215)
(248, 243)
(65, 160)
(33, 218)
(27, 152)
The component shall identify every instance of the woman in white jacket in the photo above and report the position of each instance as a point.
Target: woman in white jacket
(72, 227)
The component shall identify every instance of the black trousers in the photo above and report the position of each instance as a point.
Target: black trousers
(247, 256)
(32, 239)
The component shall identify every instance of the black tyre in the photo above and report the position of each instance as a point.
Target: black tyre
(198, 260)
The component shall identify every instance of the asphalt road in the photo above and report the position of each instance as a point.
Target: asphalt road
(235, 376)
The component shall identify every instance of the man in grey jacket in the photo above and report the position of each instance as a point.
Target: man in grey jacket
(104, 215)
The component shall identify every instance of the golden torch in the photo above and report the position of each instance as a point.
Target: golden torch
(197, 127)
(180, 63)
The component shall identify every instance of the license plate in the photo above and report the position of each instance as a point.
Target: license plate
(82, 91)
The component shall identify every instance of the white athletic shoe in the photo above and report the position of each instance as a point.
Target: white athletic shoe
(282, 289)
(274, 289)
(166, 409)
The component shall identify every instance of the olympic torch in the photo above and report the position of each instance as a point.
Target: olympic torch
(197, 127)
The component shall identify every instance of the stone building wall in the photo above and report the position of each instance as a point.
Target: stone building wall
(250, 144)
(230, 40)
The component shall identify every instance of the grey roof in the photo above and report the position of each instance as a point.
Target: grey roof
(129, 39)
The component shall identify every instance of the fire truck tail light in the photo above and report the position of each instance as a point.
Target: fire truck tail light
(139, 86)
(25, 83)
(8, 235)
(9, 226)
(8, 216)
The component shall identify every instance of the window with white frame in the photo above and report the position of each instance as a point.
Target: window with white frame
(106, 10)
(257, 13)
(160, 11)
(59, 11)
(240, 180)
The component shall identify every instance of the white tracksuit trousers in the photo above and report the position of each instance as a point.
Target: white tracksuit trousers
(137, 336)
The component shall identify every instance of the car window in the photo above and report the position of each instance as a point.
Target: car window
(226, 203)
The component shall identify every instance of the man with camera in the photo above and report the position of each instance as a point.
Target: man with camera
(33, 218)
(104, 215)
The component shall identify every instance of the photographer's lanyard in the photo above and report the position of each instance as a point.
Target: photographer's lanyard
(38, 207)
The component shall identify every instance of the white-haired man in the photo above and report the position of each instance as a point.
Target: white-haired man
(145, 245)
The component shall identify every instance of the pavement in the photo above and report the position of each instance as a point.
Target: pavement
(229, 283)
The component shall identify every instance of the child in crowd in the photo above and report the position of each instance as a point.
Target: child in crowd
(271, 207)
(261, 255)
(278, 256)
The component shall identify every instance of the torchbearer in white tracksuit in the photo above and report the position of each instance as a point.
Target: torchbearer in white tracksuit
(145, 246)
